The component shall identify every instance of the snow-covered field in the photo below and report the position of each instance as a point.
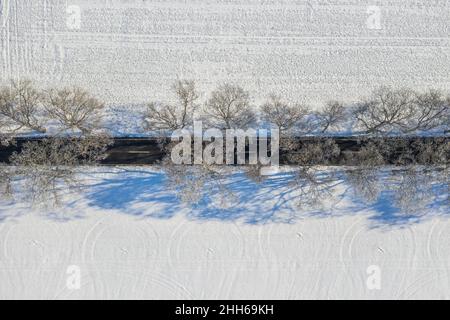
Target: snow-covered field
(124, 257)
(128, 236)
(130, 51)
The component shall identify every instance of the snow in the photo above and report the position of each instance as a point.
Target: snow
(129, 234)
(129, 52)
(131, 237)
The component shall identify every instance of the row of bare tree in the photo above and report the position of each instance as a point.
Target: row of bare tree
(386, 111)
(74, 110)
(49, 166)
(68, 110)
(71, 117)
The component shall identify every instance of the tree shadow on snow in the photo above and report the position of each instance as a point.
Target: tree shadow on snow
(278, 198)
(135, 192)
(283, 197)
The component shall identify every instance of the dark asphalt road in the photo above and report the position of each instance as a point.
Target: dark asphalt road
(147, 151)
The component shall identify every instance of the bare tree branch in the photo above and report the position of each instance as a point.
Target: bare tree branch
(431, 110)
(20, 107)
(48, 167)
(74, 109)
(331, 116)
(167, 117)
(229, 108)
(386, 111)
(284, 115)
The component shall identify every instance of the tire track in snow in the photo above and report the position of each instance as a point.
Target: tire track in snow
(6, 54)
(196, 238)
(5, 229)
(87, 255)
(438, 238)
(426, 275)
(345, 249)
(409, 256)
(117, 242)
(265, 51)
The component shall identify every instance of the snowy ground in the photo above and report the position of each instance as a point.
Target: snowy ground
(131, 51)
(130, 237)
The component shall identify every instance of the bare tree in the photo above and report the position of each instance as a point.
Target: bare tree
(5, 181)
(311, 153)
(365, 177)
(312, 182)
(431, 110)
(229, 107)
(20, 107)
(51, 163)
(168, 117)
(401, 151)
(48, 167)
(435, 152)
(331, 116)
(365, 182)
(284, 115)
(197, 182)
(386, 111)
(371, 154)
(446, 117)
(187, 95)
(314, 186)
(254, 173)
(420, 164)
(74, 109)
(412, 189)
